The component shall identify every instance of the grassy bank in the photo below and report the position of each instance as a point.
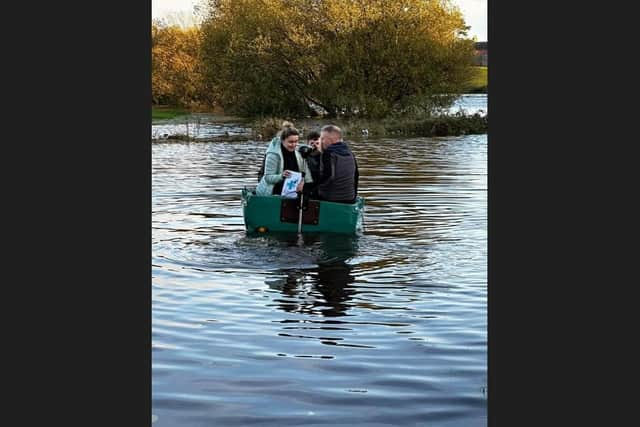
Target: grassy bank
(480, 81)
(164, 113)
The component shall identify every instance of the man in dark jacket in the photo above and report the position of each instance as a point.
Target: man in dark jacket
(338, 168)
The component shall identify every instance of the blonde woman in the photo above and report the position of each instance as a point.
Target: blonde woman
(281, 159)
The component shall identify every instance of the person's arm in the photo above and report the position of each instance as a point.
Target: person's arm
(271, 168)
(300, 187)
(313, 170)
(308, 176)
(356, 177)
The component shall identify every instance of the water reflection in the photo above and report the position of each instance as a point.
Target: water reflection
(322, 291)
(325, 289)
(333, 281)
(334, 248)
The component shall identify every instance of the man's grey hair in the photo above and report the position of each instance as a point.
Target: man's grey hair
(332, 129)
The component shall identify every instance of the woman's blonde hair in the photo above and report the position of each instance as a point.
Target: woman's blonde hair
(287, 130)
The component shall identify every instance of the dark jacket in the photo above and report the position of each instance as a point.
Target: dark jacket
(313, 162)
(338, 174)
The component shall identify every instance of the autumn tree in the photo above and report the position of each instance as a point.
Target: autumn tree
(176, 66)
(354, 57)
(252, 55)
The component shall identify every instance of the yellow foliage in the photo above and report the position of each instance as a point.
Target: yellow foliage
(176, 66)
(367, 57)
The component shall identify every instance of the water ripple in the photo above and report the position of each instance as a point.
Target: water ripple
(388, 328)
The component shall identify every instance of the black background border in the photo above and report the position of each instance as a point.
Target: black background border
(77, 212)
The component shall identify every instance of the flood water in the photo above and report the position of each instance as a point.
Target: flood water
(387, 328)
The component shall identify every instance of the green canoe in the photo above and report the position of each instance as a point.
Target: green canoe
(273, 213)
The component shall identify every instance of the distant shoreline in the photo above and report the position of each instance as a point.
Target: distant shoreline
(451, 124)
(264, 130)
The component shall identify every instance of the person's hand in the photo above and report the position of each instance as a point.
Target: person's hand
(286, 173)
(300, 185)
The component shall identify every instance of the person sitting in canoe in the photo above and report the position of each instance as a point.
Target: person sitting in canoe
(312, 154)
(280, 159)
(338, 179)
(285, 124)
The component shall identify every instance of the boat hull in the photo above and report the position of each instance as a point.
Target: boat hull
(273, 213)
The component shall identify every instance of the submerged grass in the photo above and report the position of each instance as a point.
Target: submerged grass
(443, 125)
